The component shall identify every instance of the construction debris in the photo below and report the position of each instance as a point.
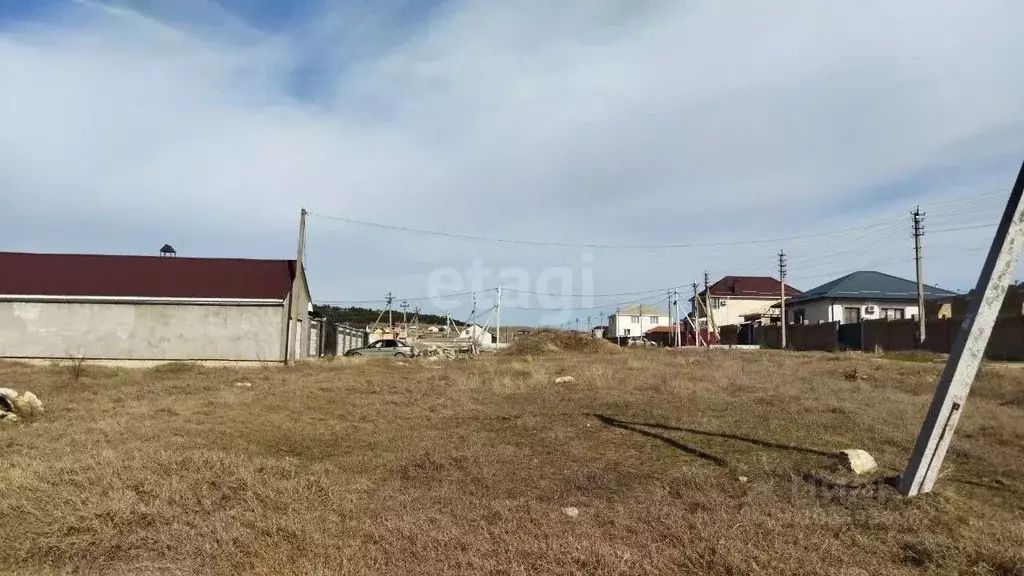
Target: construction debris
(14, 406)
(564, 380)
(859, 461)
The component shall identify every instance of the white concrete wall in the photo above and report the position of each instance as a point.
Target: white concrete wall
(141, 331)
(618, 324)
(732, 309)
(825, 311)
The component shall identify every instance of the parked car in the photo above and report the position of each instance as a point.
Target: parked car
(385, 347)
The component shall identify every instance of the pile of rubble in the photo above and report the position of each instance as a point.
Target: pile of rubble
(14, 406)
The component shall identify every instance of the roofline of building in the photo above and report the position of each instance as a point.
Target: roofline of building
(869, 297)
(146, 256)
(40, 298)
(743, 296)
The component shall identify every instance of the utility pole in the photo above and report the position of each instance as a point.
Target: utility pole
(697, 340)
(918, 232)
(577, 324)
(669, 293)
(389, 299)
(679, 321)
(707, 307)
(497, 321)
(405, 307)
(968, 350)
(290, 345)
(782, 293)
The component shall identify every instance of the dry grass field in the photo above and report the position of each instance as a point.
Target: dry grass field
(702, 462)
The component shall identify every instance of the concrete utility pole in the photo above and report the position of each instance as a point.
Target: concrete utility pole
(697, 340)
(782, 292)
(577, 324)
(969, 349)
(669, 293)
(405, 307)
(679, 321)
(707, 307)
(918, 232)
(389, 299)
(293, 322)
(497, 321)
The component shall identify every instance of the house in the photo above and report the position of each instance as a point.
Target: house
(599, 331)
(764, 316)
(152, 308)
(732, 297)
(956, 306)
(477, 334)
(633, 321)
(664, 335)
(859, 296)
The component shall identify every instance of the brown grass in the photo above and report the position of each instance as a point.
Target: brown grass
(375, 467)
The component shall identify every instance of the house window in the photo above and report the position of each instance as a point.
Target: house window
(892, 313)
(634, 319)
(718, 303)
(654, 319)
(799, 316)
(626, 332)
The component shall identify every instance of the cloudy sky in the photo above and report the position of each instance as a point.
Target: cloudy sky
(649, 141)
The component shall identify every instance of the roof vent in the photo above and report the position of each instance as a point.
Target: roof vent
(168, 250)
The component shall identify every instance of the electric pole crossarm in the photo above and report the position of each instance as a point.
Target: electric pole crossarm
(969, 349)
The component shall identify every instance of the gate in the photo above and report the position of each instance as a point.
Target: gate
(850, 336)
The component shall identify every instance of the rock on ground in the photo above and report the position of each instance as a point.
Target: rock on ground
(571, 511)
(859, 461)
(23, 405)
(564, 380)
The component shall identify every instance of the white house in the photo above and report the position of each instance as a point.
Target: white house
(863, 295)
(735, 297)
(633, 321)
(478, 334)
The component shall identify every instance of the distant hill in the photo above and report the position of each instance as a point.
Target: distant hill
(358, 316)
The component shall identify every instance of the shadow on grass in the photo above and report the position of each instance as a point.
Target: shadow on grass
(633, 426)
(609, 421)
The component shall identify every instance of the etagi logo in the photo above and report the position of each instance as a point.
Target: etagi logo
(554, 291)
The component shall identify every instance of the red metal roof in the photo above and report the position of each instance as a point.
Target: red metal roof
(143, 276)
(749, 287)
(670, 329)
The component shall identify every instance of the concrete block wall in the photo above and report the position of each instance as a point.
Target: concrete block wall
(140, 331)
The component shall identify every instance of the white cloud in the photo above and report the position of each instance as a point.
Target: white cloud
(611, 121)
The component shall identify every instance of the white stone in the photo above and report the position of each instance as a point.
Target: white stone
(571, 511)
(30, 405)
(743, 479)
(859, 461)
(243, 384)
(564, 380)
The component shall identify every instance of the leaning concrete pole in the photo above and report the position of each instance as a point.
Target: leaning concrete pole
(969, 349)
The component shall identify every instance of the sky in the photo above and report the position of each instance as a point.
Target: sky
(619, 148)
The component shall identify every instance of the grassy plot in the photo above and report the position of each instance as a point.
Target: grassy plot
(678, 462)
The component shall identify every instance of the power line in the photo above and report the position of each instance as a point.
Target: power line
(592, 245)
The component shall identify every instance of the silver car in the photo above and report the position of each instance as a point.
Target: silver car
(386, 347)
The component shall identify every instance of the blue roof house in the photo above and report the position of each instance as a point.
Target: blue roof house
(863, 295)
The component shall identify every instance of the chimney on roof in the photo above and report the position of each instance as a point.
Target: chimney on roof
(168, 250)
